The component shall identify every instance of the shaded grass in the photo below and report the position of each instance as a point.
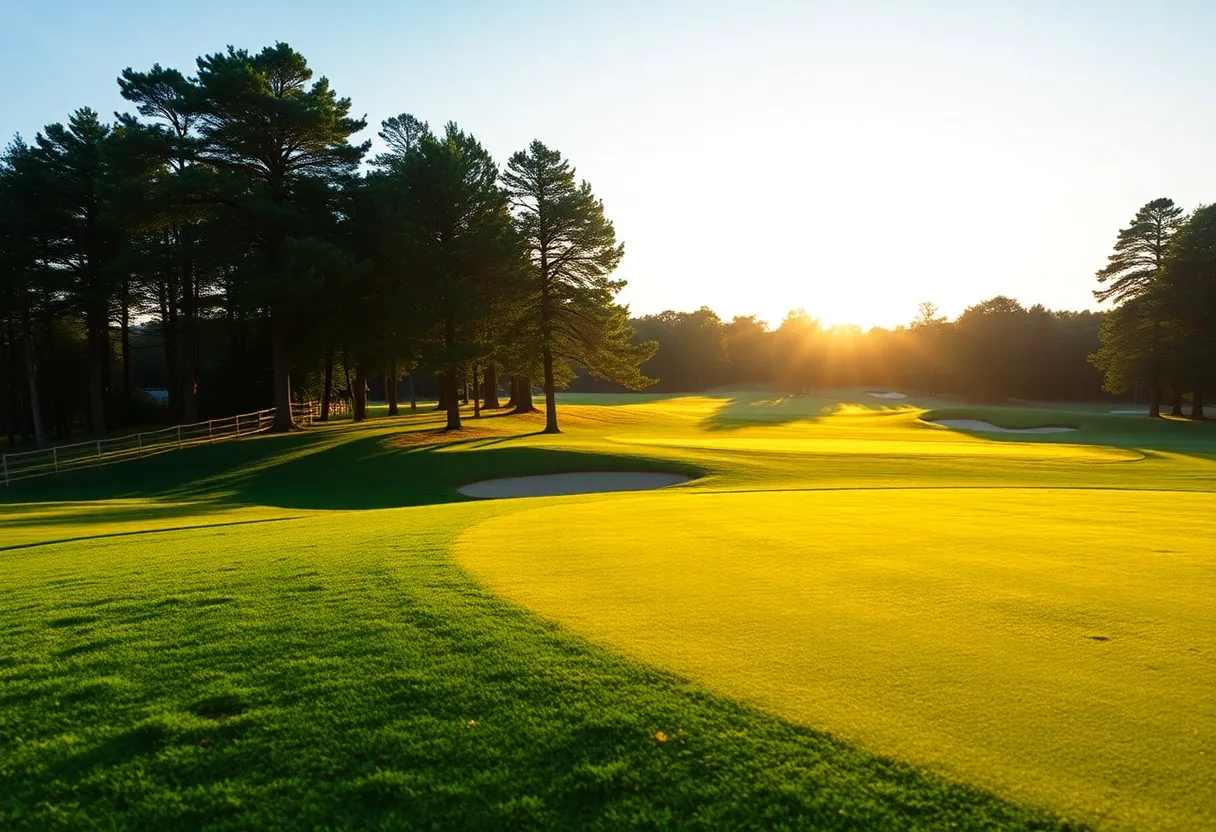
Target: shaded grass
(1168, 434)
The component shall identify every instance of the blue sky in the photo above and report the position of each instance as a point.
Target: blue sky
(849, 158)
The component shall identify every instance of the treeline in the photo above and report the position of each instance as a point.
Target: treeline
(1162, 332)
(1158, 344)
(995, 350)
(231, 225)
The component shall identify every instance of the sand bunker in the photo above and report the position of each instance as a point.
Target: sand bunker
(887, 395)
(988, 427)
(551, 485)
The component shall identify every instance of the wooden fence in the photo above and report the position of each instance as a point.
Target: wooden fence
(60, 459)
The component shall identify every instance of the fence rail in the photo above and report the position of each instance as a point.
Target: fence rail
(59, 459)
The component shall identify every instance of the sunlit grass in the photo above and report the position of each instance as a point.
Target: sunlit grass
(1055, 646)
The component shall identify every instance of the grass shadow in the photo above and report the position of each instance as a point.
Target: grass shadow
(338, 467)
(1140, 433)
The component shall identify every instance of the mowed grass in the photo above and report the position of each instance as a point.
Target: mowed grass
(999, 636)
(317, 631)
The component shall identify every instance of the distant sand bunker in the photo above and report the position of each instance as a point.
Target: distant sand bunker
(988, 427)
(887, 395)
(551, 485)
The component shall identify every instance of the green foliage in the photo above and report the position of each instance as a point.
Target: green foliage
(1126, 356)
(1140, 251)
(1187, 300)
(457, 236)
(692, 349)
(1164, 271)
(571, 313)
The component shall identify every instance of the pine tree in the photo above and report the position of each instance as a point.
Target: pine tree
(20, 279)
(572, 314)
(1186, 295)
(168, 211)
(1140, 251)
(459, 239)
(81, 240)
(1131, 272)
(282, 147)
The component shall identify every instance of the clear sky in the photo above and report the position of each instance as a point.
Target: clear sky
(851, 158)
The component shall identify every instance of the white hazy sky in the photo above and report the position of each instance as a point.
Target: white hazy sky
(852, 158)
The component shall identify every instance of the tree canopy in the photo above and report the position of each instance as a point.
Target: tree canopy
(1162, 333)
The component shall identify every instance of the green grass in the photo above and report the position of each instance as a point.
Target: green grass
(318, 631)
(982, 633)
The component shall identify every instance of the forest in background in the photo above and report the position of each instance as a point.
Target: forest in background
(995, 350)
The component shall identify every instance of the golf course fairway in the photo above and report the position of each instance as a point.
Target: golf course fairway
(843, 617)
(1007, 637)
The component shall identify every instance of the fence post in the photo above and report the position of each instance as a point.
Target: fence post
(55, 458)
(179, 437)
(210, 437)
(4, 461)
(238, 424)
(99, 452)
(139, 453)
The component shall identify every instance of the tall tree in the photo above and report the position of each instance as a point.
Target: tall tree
(461, 241)
(20, 277)
(389, 317)
(1131, 270)
(572, 250)
(283, 146)
(82, 239)
(1140, 251)
(170, 141)
(1185, 294)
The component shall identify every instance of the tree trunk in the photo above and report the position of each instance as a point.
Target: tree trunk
(453, 400)
(189, 382)
(350, 388)
(441, 385)
(476, 396)
(513, 402)
(13, 407)
(282, 376)
(31, 373)
(124, 323)
(360, 393)
(491, 387)
(1197, 404)
(328, 390)
(1154, 402)
(168, 333)
(97, 373)
(1176, 402)
(550, 394)
(523, 394)
(53, 415)
(413, 393)
(234, 312)
(390, 389)
(107, 354)
(464, 389)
